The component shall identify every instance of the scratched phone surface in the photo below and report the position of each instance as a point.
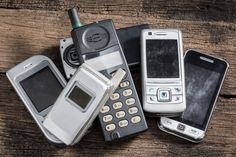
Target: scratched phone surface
(200, 86)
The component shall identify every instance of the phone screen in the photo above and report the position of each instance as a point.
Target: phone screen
(42, 88)
(203, 81)
(80, 97)
(162, 58)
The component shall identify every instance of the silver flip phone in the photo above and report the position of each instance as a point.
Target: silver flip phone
(80, 102)
(38, 83)
(204, 76)
(163, 84)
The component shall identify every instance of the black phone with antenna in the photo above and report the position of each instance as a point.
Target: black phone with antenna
(122, 115)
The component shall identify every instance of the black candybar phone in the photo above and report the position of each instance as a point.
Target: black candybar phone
(122, 115)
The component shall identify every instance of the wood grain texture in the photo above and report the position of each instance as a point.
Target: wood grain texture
(35, 27)
(209, 10)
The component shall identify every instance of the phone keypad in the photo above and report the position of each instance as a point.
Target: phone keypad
(124, 112)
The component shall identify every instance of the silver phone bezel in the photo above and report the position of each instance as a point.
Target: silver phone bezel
(170, 109)
(162, 126)
(26, 69)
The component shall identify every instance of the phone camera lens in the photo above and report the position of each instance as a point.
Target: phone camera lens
(149, 33)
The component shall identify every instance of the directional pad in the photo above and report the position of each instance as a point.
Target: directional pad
(163, 95)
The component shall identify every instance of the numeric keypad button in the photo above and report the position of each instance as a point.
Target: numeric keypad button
(127, 92)
(123, 123)
(107, 118)
(136, 119)
(110, 127)
(120, 114)
(124, 84)
(105, 109)
(133, 110)
(115, 96)
(130, 101)
(117, 105)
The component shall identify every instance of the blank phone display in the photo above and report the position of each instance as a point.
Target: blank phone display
(80, 97)
(42, 88)
(162, 58)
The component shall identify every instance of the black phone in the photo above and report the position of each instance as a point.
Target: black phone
(204, 76)
(99, 46)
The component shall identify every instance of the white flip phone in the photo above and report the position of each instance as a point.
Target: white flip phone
(38, 83)
(80, 102)
(163, 85)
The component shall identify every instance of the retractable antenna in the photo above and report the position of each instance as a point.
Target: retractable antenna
(75, 23)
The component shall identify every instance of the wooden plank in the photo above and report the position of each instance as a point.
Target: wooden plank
(184, 9)
(28, 32)
(19, 135)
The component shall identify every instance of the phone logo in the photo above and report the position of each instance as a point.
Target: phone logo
(96, 37)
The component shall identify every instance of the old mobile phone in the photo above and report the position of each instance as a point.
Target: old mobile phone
(98, 44)
(38, 83)
(79, 103)
(130, 42)
(204, 76)
(163, 85)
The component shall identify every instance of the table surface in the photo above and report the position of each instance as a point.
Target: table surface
(34, 27)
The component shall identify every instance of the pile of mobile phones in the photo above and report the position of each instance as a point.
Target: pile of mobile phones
(97, 59)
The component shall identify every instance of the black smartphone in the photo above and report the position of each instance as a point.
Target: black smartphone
(204, 76)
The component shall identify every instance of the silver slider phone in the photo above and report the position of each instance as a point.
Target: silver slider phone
(80, 102)
(204, 76)
(163, 83)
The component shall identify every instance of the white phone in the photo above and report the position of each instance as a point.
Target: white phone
(38, 83)
(204, 76)
(80, 102)
(163, 85)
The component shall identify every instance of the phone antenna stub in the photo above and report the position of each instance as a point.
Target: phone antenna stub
(74, 17)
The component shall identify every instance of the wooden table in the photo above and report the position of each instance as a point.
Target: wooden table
(34, 27)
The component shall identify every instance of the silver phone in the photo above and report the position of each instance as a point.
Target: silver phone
(204, 76)
(163, 84)
(80, 102)
(38, 83)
